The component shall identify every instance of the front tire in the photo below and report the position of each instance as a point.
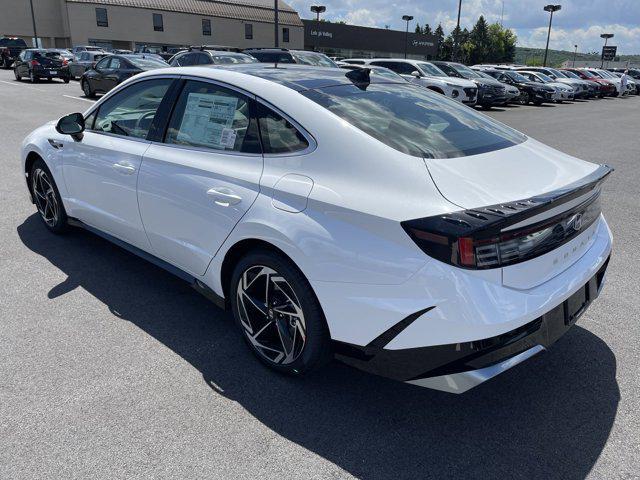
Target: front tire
(47, 198)
(278, 314)
(18, 77)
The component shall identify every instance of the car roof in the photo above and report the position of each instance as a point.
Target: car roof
(297, 77)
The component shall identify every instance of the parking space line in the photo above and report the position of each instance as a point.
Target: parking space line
(17, 84)
(79, 98)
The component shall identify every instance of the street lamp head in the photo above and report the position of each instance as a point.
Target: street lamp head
(552, 8)
(606, 35)
(318, 8)
(407, 18)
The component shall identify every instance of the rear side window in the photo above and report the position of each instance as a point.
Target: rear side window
(211, 116)
(401, 68)
(130, 112)
(278, 134)
(415, 121)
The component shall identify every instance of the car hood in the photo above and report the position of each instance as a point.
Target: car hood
(507, 175)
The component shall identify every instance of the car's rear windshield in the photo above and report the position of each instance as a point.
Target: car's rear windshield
(46, 53)
(231, 58)
(12, 42)
(147, 62)
(315, 59)
(416, 121)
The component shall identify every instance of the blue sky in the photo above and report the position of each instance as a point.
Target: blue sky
(579, 22)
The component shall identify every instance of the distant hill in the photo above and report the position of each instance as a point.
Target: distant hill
(534, 56)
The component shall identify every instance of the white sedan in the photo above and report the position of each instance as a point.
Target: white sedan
(336, 213)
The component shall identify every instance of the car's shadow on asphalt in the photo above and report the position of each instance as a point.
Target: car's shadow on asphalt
(547, 418)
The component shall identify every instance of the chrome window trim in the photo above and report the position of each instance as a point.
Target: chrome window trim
(311, 141)
(312, 144)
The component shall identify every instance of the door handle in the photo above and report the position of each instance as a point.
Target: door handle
(223, 196)
(124, 168)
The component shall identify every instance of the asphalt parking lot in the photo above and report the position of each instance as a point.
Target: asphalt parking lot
(113, 368)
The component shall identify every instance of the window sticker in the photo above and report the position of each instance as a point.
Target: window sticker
(208, 119)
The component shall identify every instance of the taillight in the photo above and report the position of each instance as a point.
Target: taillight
(505, 234)
(64, 61)
(34, 63)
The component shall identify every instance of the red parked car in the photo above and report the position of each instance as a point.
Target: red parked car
(607, 88)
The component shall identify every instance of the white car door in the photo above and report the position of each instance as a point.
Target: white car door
(101, 169)
(196, 185)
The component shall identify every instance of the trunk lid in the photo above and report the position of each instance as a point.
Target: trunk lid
(507, 175)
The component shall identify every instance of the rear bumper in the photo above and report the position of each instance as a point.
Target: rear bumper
(447, 321)
(62, 72)
(457, 367)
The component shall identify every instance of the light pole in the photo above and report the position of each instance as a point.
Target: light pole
(606, 37)
(551, 9)
(318, 9)
(454, 53)
(574, 55)
(275, 23)
(406, 18)
(33, 19)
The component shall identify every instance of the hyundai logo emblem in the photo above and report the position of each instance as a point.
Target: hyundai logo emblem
(576, 222)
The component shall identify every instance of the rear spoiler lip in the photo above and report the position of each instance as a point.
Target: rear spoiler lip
(491, 220)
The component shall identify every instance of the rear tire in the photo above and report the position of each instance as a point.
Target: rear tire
(32, 77)
(278, 314)
(47, 198)
(18, 77)
(66, 79)
(86, 88)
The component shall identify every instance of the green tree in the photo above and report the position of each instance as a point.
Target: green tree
(426, 30)
(479, 38)
(439, 33)
(418, 29)
(501, 44)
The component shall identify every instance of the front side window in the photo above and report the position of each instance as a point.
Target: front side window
(206, 27)
(285, 35)
(400, 68)
(210, 116)
(103, 64)
(114, 63)
(158, 24)
(101, 17)
(415, 121)
(278, 134)
(130, 113)
(248, 31)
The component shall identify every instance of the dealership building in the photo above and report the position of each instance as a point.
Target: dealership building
(128, 24)
(341, 40)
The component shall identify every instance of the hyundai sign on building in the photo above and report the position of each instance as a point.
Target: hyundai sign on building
(350, 41)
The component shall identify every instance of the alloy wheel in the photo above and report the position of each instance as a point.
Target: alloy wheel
(45, 197)
(271, 315)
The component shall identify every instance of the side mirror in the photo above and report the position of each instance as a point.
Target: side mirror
(72, 124)
(416, 74)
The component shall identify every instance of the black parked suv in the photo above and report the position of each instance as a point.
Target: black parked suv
(10, 49)
(490, 92)
(532, 92)
(37, 63)
(210, 55)
(283, 55)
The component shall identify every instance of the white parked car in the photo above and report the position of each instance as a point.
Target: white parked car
(336, 213)
(430, 76)
(563, 92)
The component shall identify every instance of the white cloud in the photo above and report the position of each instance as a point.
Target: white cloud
(579, 22)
